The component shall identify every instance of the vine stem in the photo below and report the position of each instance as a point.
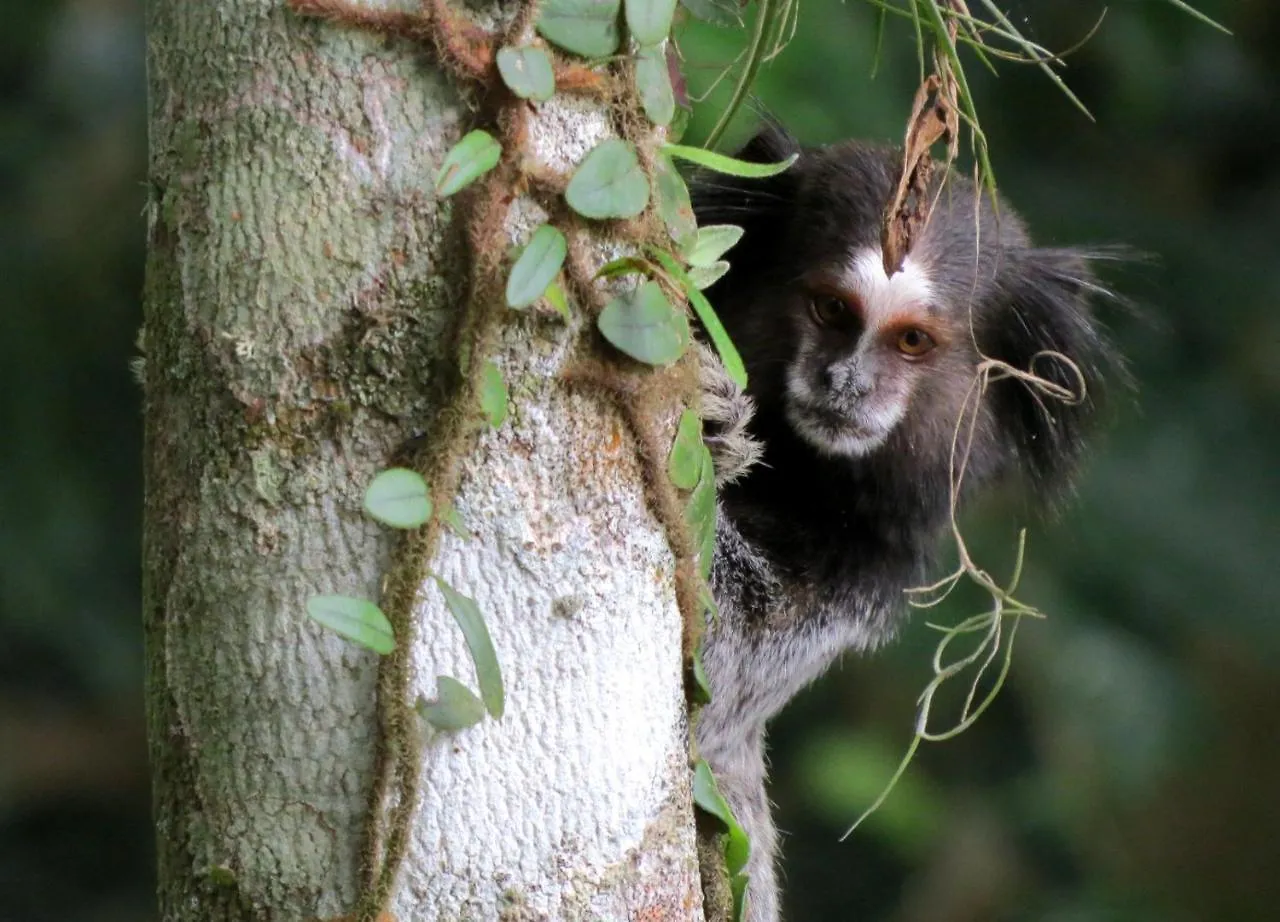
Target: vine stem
(755, 55)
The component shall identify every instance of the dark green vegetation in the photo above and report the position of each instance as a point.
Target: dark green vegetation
(1128, 770)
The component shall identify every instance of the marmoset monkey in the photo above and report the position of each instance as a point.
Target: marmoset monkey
(835, 464)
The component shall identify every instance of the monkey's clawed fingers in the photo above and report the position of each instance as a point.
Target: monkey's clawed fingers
(726, 413)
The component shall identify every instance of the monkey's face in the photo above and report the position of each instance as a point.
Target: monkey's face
(868, 347)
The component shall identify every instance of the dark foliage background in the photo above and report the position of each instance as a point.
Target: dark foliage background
(1128, 772)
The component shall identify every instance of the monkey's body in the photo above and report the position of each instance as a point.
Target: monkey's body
(857, 383)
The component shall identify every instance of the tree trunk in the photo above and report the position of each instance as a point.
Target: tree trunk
(302, 287)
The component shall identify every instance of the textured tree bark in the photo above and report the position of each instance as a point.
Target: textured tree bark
(302, 284)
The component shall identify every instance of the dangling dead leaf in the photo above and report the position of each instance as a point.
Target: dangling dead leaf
(934, 118)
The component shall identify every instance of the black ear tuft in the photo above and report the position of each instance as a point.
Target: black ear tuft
(763, 208)
(772, 143)
(1042, 315)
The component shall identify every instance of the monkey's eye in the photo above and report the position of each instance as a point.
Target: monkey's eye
(829, 311)
(914, 343)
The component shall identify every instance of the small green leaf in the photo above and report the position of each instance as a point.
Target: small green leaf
(585, 27)
(708, 602)
(725, 164)
(706, 794)
(737, 848)
(493, 395)
(398, 497)
(645, 326)
(679, 124)
(700, 678)
(733, 366)
(674, 205)
(537, 267)
(455, 707)
(711, 243)
(715, 12)
(609, 183)
(356, 619)
(649, 21)
(476, 154)
(623, 265)
(704, 277)
(453, 518)
(684, 464)
(653, 81)
(558, 300)
(701, 513)
(527, 72)
(738, 888)
(467, 614)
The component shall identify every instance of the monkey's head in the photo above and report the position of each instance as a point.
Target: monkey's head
(862, 365)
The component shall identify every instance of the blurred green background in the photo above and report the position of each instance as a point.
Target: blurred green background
(1129, 770)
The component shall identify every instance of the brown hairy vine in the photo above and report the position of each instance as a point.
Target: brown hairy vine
(647, 399)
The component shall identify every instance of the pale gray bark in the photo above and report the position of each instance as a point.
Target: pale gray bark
(301, 284)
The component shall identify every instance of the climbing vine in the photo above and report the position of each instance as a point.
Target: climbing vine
(627, 190)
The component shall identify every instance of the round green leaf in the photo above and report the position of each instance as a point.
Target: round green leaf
(585, 27)
(684, 464)
(527, 72)
(467, 614)
(537, 267)
(398, 497)
(476, 154)
(674, 205)
(653, 81)
(711, 243)
(609, 183)
(455, 707)
(356, 619)
(493, 395)
(649, 21)
(645, 326)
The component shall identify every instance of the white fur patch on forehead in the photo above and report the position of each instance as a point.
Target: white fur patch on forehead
(884, 297)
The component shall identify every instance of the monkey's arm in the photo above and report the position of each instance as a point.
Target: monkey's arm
(726, 413)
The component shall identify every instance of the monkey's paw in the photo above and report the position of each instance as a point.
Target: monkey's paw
(726, 414)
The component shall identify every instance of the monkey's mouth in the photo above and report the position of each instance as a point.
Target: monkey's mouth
(837, 423)
(831, 432)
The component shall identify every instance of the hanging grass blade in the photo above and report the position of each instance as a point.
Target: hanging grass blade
(733, 365)
(722, 163)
